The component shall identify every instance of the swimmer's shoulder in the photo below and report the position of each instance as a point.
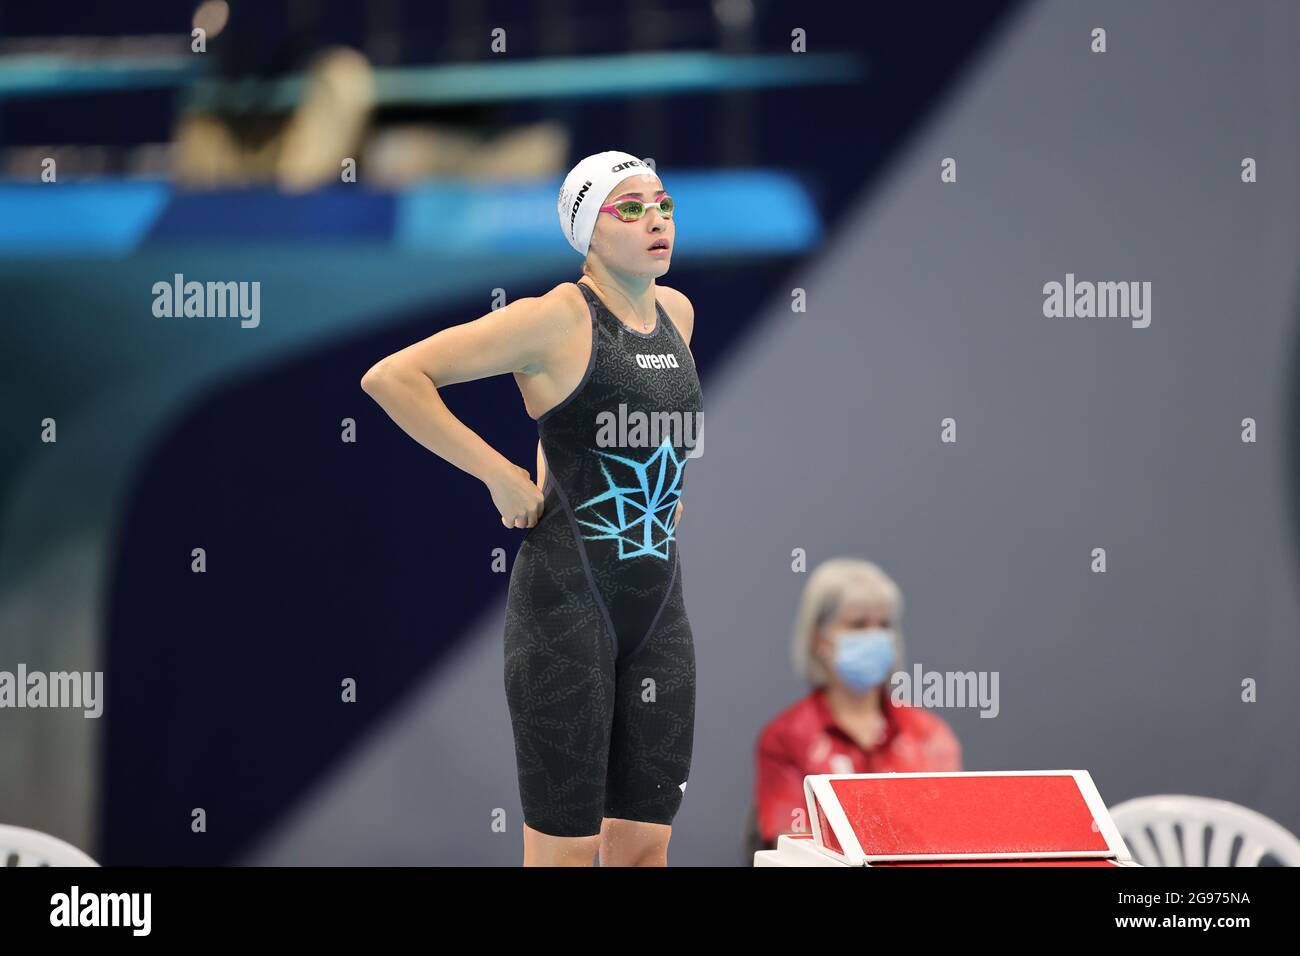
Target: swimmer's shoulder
(679, 309)
(566, 309)
(552, 322)
(565, 303)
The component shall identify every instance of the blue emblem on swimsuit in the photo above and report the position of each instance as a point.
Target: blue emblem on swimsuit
(637, 509)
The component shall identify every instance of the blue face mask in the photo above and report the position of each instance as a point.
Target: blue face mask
(863, 658)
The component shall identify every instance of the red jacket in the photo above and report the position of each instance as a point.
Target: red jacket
(804, 738)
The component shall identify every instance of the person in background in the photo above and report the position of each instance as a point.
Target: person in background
(847, 643)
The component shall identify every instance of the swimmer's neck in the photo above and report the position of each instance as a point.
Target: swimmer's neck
(636, 292)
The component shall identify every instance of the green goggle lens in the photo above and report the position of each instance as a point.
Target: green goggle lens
(630, 209)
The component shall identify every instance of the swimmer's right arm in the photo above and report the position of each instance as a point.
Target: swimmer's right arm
(405, 384)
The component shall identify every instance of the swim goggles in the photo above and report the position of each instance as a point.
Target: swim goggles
(630, 210)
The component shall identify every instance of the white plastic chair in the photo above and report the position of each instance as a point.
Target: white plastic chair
(1195, 816)
(20, 846)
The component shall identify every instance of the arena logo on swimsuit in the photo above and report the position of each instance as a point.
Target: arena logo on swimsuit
(652, 360)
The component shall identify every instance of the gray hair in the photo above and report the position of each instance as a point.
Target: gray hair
(830, 584)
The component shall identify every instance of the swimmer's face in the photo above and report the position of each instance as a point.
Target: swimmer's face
(626, 246)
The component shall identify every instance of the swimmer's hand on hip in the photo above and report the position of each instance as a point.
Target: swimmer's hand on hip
(516, 496)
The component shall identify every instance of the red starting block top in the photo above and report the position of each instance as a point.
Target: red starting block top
(1032, 815)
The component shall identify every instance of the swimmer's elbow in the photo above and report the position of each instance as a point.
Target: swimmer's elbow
(375, 378)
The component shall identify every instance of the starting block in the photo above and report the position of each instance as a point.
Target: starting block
(962, 818)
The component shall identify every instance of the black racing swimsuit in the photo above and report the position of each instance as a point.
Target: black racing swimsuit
(599, 657)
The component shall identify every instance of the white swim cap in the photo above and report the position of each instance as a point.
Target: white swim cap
(585, 190)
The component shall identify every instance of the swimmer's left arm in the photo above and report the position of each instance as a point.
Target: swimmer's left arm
(682, 314)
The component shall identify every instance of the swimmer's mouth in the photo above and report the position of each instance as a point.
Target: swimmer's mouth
(658, 244)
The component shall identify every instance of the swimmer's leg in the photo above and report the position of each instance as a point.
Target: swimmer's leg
(559, 684)
(654, 728)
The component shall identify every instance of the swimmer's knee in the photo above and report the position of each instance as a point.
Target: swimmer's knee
(633, 842)
(548, 849)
